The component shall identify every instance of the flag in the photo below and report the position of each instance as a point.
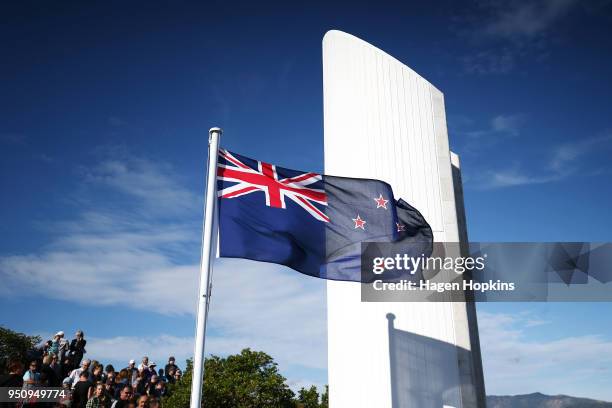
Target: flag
(312, 223)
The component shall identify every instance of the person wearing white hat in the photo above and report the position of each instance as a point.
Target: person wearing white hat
(132, 371)
(55, 343)
(151, 371)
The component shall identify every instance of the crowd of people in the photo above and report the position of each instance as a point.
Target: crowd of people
(59, 363)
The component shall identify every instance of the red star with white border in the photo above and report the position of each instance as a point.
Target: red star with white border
(400, 227)
(381, 202)
(359, 223)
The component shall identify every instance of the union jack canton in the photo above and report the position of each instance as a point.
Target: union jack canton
(264, 178)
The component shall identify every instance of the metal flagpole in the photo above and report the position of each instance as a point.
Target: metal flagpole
(208, 248)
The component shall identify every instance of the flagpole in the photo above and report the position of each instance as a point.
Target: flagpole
(208, 238)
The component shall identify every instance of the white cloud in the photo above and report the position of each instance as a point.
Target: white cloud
(123, 267)
(270, 308)
(122, 349)
(516, 363)
(525, 18)
(510, 124)
(505, 32)
(514, 177)
(565, 155)
(497, 61)
(126, 256)
(154, 184)
(253, 304)
(563, 162)
(499, 125)
(128, 250)
(475, 139)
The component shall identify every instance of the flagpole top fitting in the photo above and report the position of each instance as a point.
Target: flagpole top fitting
(212, 131)
(215, 129)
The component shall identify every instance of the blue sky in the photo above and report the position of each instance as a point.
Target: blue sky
(104, 113)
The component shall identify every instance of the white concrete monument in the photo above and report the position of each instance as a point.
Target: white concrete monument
(384, 121)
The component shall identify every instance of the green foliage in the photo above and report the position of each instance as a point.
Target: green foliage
(325, 398)
(246, 380)
(308, 398)
(179, 393)
(15, 346)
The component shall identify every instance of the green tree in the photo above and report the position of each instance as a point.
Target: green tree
(325, 398)
(246, 380)
(15, 346)
(308, 398)
(180, 392)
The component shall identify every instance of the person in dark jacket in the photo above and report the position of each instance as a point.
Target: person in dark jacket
(109, 373)
(13, 379)
(83, 390)
(67, 366)
(171, 365)
(141, 383)
(77, 348)
(49, 376)
(124, 397)
(57, 368)
(96, 375)
(151, 387)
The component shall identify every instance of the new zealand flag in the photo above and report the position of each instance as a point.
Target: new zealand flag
(309, 222)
